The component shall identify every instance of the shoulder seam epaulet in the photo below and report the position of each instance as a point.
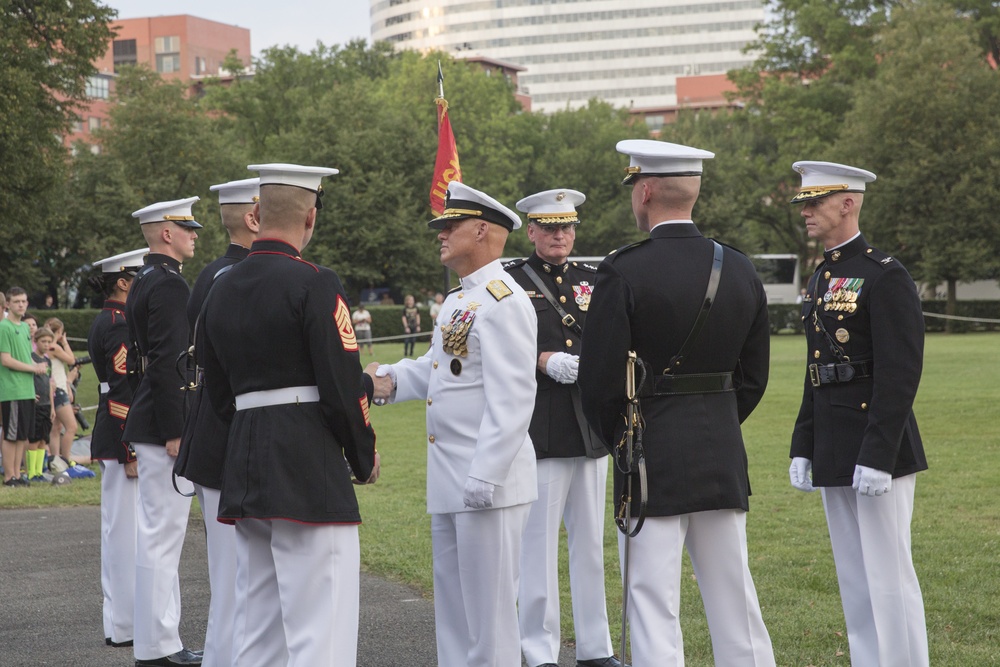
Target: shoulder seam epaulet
(454, 289)
(877, 256)
(514, 263)
(585, 266)
(618, 251)
(731, 247)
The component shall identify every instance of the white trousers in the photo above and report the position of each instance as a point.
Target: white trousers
(298, 594)
(221, 544)
(570, 490)
(476, 562)
(119, 500)
(162, 523)
(716, 541)
(883, 607)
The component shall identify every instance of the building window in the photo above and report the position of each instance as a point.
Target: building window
(200, 65)
(93, 123)
(124, 53)
(168, 56)
(168, 62)
(98, 87)
(167, 44)
(77, 126)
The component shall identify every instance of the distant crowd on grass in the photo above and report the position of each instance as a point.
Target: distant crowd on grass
(39, 374)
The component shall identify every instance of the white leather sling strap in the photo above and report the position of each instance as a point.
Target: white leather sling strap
(283, 396)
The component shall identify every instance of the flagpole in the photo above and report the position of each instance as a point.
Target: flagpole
(447, 271)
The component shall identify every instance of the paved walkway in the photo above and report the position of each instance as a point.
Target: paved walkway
(50, 598)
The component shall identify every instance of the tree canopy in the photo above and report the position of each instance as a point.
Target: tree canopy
(906, 88)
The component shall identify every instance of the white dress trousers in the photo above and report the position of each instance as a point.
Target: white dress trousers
(118, 535)
(221, 545)
(570, 490)
(298, 594)
(476, 562)
(716, 542)
(162, 523)
(883, 607)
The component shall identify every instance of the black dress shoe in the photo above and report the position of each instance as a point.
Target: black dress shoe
(107, 640)
(610, 661)
(548, 664)
(182, 657)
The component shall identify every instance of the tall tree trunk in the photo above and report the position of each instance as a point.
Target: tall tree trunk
(950, 305)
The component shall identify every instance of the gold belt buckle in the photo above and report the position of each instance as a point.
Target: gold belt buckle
(814, 375)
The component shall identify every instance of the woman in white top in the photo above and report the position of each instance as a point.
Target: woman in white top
(63, 370)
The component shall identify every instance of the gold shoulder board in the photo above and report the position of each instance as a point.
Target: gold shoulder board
(498, 289)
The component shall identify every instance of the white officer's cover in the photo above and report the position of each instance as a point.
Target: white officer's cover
(177, 210)
(279, 173)
(661, 158)
(820, 179)
(462, 202)
(246, 191)
(552, 207)
(133, 259)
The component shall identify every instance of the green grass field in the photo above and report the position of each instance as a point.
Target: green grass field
(956, 526)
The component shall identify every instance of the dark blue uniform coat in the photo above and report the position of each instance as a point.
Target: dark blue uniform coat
(107, 344)
(646, 299)
(868, 421)
(275, 321)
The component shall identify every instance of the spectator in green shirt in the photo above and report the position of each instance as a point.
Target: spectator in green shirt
(17, 385)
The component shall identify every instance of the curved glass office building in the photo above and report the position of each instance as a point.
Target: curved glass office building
(627, 52)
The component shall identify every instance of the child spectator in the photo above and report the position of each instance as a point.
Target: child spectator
(411, 324)
(45, 412)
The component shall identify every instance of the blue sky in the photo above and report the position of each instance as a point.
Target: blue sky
(300, 23)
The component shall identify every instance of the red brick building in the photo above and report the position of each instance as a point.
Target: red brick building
(182, 47)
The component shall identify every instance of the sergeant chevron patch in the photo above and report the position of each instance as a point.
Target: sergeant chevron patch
(120, 358)
(342, 318)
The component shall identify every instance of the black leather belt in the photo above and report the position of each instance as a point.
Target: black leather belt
(691, 383)
(820, 374)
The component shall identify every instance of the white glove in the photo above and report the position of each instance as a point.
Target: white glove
(800, 473)
(381, 372)
(478, 494)
(562, 367)
(871, 482)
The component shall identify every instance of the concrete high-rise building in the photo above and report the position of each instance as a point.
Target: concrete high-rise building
(628, 53)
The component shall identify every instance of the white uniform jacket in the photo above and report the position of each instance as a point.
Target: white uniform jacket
(478, 406)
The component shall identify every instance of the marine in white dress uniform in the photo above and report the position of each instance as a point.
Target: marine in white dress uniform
(478, 380)
(299, 435)
(856, 437)
(108, 344)
(203, 443)
(647, 298)
(572, 460)
(159, 332)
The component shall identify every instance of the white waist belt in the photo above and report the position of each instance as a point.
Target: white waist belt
(283, 396)
(105, 387)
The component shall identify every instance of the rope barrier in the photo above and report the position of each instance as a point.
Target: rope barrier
(964, 319)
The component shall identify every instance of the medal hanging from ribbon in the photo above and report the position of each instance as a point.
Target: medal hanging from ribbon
(842, 294)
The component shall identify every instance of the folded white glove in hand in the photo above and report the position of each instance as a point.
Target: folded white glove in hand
(871, 482)
(800, 473)
(478, 494)
(563, 367)
(380, 372)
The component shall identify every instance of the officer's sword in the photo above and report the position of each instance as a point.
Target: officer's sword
(631, 463)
